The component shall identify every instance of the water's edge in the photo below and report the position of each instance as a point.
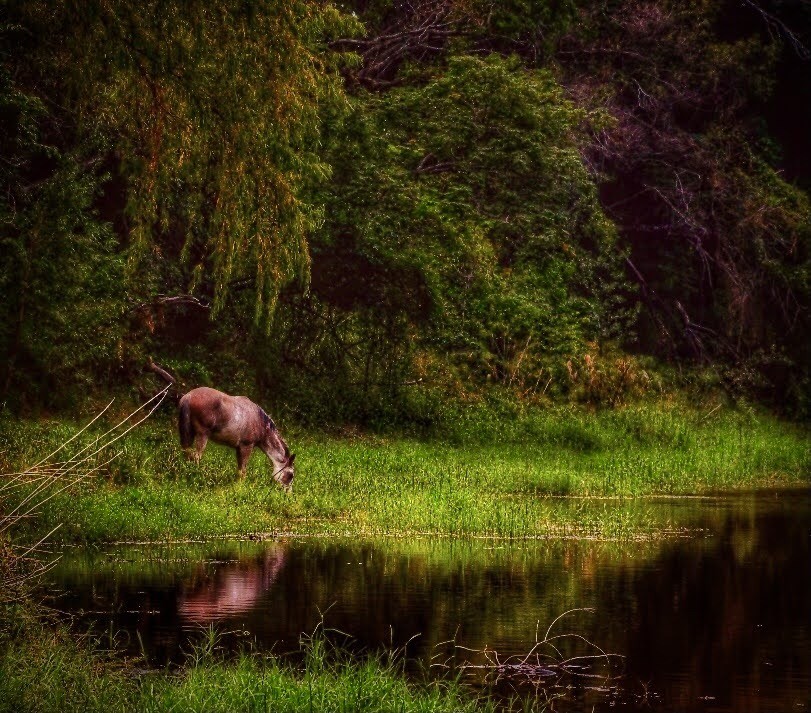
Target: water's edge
(718, 621)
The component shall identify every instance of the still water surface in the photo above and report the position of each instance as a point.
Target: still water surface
(718, 620)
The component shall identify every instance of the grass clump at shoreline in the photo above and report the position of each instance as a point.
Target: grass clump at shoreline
(495, 477)
(49, 671)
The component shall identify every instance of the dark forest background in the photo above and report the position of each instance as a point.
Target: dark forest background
(364, 211)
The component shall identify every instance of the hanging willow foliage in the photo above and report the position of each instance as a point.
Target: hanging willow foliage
(213, 112)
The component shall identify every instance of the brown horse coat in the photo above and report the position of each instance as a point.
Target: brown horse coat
(234, 421)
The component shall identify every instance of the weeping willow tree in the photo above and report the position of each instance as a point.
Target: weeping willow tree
(208, 116)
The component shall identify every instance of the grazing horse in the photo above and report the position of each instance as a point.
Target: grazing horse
(234, 421)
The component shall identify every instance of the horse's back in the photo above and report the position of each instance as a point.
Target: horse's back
(206, 407)
(204, 397)
(228, 419)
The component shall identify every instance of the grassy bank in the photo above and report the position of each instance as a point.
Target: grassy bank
(49, 671)
(489, 475)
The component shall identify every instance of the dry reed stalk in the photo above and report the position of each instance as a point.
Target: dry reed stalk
(46, 480)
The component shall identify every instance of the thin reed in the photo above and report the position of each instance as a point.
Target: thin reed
(26, 492)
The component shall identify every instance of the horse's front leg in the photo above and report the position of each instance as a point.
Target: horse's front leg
(200, 441)
(243, 454)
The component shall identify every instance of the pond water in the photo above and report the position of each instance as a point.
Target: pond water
(717, 620)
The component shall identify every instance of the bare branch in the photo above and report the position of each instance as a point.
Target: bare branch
(774, 22)
(188, 300)
(418, 30)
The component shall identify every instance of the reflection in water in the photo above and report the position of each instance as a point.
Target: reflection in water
(233, 589)
(720, 621)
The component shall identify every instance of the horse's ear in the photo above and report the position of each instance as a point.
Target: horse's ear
(291, 459)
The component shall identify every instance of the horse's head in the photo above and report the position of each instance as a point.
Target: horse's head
(276, 449)
(284, 475)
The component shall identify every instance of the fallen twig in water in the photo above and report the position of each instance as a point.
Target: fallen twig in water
(544, 665)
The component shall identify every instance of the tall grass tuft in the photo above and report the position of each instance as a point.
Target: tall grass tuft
(51, 672)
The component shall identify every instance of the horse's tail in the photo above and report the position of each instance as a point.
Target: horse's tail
(184, 425)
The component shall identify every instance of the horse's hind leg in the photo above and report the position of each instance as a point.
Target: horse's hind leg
(243, 454)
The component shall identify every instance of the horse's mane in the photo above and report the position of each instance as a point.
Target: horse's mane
(267, 420)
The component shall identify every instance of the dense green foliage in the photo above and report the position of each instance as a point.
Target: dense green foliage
(461, 221)
(61, 271)
(358, 213)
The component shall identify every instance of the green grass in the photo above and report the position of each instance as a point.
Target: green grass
(49, 671)
(490, 476)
